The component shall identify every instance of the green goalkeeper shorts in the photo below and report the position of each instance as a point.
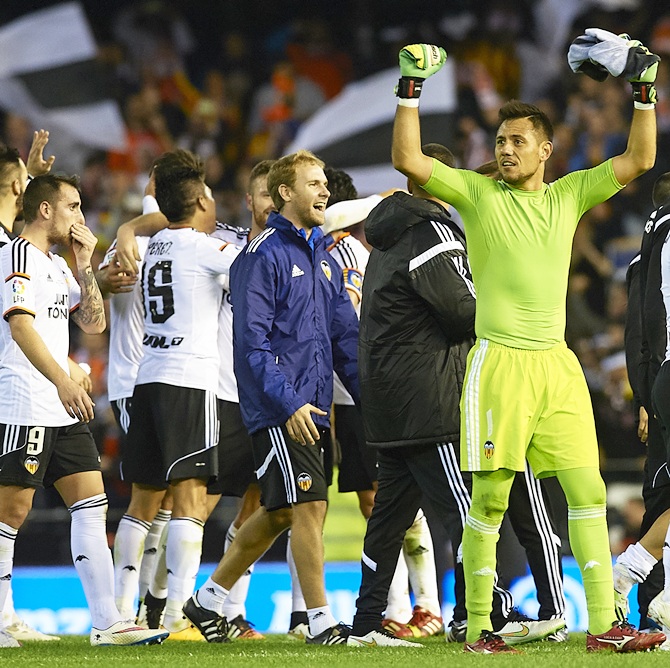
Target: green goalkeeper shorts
(519, 404)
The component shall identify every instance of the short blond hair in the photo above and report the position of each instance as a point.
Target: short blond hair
(284, 172)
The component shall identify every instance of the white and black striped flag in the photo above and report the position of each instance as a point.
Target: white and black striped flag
(49, 75)
(353, 131)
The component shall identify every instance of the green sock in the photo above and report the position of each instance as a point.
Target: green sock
(479, 566)
(490, 494)
(587, 527)
(589, 539)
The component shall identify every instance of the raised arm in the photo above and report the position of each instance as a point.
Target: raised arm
(406, 152)
(417, 62)
(36, 163)
(127, 253)
(90, 316)
(621, 56)
(640, 153)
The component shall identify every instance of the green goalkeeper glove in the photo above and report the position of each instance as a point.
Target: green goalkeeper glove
(644, 91)
(417, 63)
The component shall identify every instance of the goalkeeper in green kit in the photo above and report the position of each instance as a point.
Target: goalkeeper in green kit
(525, 396)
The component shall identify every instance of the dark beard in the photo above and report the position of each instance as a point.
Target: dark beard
(59, 240)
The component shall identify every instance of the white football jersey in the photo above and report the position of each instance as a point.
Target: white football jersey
(183, 274)
(237, 237)
(665, 292)
(126, 329)
(41, 285)
(353, 257)
(4, 237)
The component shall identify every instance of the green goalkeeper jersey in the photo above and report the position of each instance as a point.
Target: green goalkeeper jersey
(519, 245)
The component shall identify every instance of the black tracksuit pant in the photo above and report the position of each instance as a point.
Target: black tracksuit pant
(532, 517)
(405, 474)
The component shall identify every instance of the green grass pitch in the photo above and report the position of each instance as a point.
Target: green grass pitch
(276, 651)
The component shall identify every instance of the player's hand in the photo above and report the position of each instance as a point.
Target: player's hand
(36, 164)
(301, 427)
(421, 60)
(83, 244)
(80, 376)
(648, 75)
(76, 401)
(643, 426)
(644, 90)
(127, 252)
(113, 279)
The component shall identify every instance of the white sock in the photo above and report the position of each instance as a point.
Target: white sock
(297, 599)
(151, 547)
(666, 566)
(637, 563)
(7, 541)
(159, 584)
(8, 612)
(234, 605)
(398, 605)
(418, 550)
(183, 550)
(128, 548)
(320, 619)
(212, 596)
(92, 558)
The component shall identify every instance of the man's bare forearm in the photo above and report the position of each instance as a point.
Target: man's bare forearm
(90, 315)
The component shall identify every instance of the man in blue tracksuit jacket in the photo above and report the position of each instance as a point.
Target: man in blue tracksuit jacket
(293, 323)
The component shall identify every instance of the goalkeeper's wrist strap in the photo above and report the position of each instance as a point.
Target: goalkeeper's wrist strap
(409, 87)
(644, 94)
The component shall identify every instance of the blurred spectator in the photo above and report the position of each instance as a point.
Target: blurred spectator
(278, 108)
(492, 42)
(18, 133)
(313, 55)
(148, 135)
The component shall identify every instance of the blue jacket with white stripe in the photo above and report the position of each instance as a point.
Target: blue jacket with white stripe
(293, 323)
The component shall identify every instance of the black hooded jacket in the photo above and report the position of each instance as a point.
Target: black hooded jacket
(417, 324)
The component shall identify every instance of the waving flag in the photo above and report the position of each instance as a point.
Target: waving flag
(48, 74)
(353, 131)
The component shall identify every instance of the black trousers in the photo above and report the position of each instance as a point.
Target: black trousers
(656, 490)
(656, 502)
(405, 475)
(532, 516)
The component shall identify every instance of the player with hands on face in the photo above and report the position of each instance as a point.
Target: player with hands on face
(43, 420)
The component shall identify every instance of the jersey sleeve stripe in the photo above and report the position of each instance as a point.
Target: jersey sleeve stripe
(224, 245)
(253, 245)
(17, 273)
(20, 256)
(17, 309)
(74, 308)
(347, 254)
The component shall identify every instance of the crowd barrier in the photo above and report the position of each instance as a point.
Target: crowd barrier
(52, 600)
